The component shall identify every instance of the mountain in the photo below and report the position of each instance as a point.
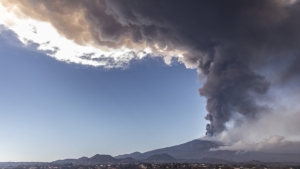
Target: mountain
(127, 160)
(193, 151)
(133, 155)
(199, 151)
(83, 159)
(96, 159)
(189, 150)
(102, 159)
(160, 158)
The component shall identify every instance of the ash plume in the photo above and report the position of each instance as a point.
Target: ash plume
(236, 45)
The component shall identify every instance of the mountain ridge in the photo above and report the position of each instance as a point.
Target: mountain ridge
(175, 151)
(192, 151)
(197, 149)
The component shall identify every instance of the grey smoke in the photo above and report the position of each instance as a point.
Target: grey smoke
(231, 42)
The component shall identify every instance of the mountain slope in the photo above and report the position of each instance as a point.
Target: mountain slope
(187, 150)
(199, 150)
(193, 151)
(160, 158)
(127, 160)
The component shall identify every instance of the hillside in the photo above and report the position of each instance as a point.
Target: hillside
(199, 150)
(160, 158)
(96, 159)
(183, 151)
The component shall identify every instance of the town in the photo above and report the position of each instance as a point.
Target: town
(153, 166)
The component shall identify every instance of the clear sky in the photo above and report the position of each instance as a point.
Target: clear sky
(54, 110)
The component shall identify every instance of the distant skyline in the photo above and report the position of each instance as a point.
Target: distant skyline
(86, 77)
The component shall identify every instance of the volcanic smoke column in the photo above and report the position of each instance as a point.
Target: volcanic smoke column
(234, 44)
(231, 87)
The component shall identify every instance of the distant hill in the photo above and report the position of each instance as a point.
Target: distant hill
(160, 158)
(135, 155)
(83, 159)
(96, 159)
(102, 159)
(127, 160)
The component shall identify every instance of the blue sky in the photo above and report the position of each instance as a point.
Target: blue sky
(53, 110)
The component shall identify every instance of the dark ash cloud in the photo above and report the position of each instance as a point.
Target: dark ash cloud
(228, 41)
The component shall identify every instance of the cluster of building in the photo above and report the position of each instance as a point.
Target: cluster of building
(151, 166)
